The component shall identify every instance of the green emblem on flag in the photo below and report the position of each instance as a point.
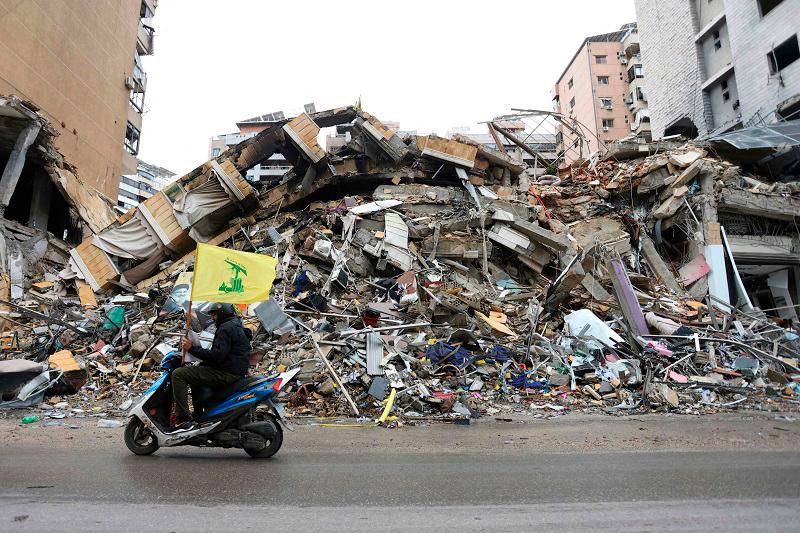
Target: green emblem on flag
(236, 282)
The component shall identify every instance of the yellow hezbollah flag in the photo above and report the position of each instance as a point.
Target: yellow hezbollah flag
(222, 275)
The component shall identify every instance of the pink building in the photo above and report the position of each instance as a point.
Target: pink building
(593, 93)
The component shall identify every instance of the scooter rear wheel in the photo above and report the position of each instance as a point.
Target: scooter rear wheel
(139, 439)
(272, 447)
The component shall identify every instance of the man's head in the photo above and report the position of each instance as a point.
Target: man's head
(221, 312)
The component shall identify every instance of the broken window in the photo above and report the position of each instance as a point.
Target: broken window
(569, 83)
(783, 55)
(765, 6)
(608, 123)
(601, 60)
(606, 103)
(132, 139)
(602, 80)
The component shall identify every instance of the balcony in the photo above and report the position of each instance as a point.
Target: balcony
(145, 39)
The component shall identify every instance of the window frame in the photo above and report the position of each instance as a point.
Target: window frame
(606, 78)
(761, 11)
(601, 59)
(772, 58)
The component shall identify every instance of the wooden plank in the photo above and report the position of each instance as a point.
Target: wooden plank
(86, 295)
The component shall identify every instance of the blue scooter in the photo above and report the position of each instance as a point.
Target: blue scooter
(241, 415)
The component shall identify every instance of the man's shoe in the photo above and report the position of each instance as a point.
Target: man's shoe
(182, 427)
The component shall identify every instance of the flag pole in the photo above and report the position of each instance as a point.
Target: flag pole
(188, 328)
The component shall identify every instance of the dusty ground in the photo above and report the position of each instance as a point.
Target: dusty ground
(754, 431)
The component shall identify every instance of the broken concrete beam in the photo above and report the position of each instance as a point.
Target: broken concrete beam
(521, 144)
(653, 181)
(387, 140)
(455, 152)
(686, 159)
(531, 255)
(595, 289)
(657, 264)
(16, 161)
(772, 206)
(602, 230)
(543, 236)
(455, 247)
(685, 177)
(496, 157)
(671, 205)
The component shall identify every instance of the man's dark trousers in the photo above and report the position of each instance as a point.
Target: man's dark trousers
(196, 376)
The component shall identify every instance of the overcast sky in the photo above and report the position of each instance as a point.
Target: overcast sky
(429, 65)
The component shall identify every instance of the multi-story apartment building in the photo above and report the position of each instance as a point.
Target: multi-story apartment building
(593, 94)
(717, 65)
(136, 188)
(277, 165)
(79, 64)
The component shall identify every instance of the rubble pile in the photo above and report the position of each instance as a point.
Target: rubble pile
(421, 277)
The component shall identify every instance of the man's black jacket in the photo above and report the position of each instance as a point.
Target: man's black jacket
(230, 350)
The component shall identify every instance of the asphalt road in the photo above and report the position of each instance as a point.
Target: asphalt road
(105, 488)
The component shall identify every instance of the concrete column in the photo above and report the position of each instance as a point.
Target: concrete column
(16, 162)
(40, 202)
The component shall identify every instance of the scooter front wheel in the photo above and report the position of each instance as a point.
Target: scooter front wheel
(139, 439)
(272, 447)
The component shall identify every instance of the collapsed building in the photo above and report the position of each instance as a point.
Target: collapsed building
(657, 275)
(44, 206)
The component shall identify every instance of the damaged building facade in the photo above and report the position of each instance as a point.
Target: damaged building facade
(88, 85)
(737, 64)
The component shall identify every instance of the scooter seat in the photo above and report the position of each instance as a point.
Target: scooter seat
(207, 395)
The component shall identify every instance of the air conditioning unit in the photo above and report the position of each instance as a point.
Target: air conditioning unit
(129, 83)
(605, 128)
(623, 60)
(628, 101)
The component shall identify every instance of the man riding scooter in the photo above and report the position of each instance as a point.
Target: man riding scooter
(226, 362)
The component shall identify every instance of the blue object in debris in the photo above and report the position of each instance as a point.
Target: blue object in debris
(441, 352)
(299, 281)
(527, 380)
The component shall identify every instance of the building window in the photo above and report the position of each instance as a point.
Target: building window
(608, 123)
(215, 152)
(132, 139)
(572, 104)
(606, 103)
(601, 60)
(640, 94)
(726, 95)
(717, 40)
(602, 80)
(569, 84)
(765, 6)
(577, 142)
(783, 55)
